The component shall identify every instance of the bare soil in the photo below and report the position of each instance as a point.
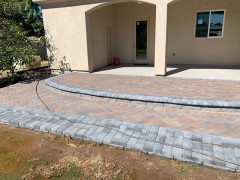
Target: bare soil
(26, 154)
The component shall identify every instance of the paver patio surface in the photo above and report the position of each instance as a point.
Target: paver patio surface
(157, 86)
(217, 123)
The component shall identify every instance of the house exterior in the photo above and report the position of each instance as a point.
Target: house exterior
(86, 35)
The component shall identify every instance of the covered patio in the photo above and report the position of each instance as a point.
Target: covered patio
(180, 71)
(86, 36)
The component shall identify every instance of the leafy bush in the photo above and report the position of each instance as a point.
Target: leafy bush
(18, 19)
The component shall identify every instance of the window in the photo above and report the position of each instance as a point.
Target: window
(209, 24)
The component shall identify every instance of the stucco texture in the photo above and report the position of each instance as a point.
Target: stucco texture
(66, 36)
(120, 17)
(203, 51)
(76, 33)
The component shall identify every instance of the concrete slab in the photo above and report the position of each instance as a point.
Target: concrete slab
(221, 73)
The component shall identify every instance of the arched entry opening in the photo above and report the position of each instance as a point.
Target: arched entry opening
(121, 29)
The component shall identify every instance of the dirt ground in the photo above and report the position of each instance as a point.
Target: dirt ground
(25, 76)
(26, 154)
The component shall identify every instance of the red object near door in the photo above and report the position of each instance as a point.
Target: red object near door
(116, 61)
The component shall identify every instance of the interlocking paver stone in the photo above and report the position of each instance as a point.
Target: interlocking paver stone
(146, 129)
(75, 130)
(109, 136)
(197, 137)
(186, 155)
(80, 133)
(132, 141)
(169, 140)
(157, 148)
(152, 137)
(139, 127)
(207, 148)
(124, 140)
(161, 138)
(139, 145)
(179, 134)
(188, 144)
(61, 129)
(197, 157)
(95, 133)
(167, 151)
(103, 134)
(218, 151)
(170, 133)
(148, 146)
(29, 112)
(68, 130)
(207, 139)
(178, 142)
(176, 146)
(82, 83)
(131, 126)
(197, 146)
(55, 128)
(176, 152)
(21, 124)
(115, 140)
(230, 156)
(154, 130)
(31, 126)
(43, 127)
(182, 119)
(217, 140)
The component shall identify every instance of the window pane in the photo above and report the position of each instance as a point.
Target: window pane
(216, 24)
(202, 24)
(141, 40)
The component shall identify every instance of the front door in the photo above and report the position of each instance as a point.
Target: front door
(141, 41)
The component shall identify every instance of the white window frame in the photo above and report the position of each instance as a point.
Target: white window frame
(209, 23)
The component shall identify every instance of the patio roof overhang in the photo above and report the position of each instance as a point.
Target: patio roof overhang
(62, 3)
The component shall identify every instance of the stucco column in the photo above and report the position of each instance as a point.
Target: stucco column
(160, 40)
(89, 42)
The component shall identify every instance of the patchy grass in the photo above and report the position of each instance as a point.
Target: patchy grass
(11, 165)
(182, 169)
(121, 176)
(39, 162)
(195, 167)
(72, 172)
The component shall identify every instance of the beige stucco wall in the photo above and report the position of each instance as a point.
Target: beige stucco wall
(120, 17)
(210, 51)
(71, 37)
(124, 14)
(66, 35)
(100, 20)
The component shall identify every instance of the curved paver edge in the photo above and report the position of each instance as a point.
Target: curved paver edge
(225, 105)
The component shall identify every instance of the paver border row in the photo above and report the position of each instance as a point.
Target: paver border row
(172, 102)
(221, 147)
